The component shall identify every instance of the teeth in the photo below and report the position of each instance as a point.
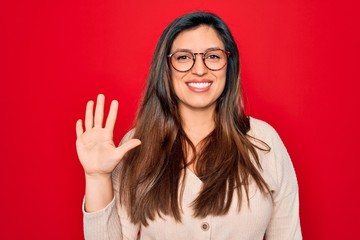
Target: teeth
(199, 85)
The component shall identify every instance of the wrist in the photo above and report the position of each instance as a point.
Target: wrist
(98, 177)
(98, 192)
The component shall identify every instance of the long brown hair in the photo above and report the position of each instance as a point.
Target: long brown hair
(151, 175)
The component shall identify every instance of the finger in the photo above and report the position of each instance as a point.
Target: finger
(99, 111)
(111, 119)
(89, 121)
(127, 146)
(79, 128)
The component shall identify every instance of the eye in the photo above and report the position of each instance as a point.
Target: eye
(182, 57)
(213, 56)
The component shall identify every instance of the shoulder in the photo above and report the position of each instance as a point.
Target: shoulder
(277, 165)
(264, 136)
(118, 169)
(130, 134)
(262, 130)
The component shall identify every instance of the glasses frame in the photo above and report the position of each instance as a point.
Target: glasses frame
(227, 53)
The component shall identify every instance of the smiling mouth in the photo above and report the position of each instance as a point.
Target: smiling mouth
(199, 85)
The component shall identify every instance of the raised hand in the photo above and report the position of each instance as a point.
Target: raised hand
(95, 146)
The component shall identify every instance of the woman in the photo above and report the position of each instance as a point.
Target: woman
(204, 170)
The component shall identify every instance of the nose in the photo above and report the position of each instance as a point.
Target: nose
(199, 67)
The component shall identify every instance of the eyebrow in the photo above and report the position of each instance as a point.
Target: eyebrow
(188, 50)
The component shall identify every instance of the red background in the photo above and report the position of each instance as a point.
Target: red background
(300, 63)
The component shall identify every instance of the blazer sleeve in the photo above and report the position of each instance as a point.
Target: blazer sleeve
(285, 221)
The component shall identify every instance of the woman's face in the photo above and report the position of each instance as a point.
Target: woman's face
(200, 87)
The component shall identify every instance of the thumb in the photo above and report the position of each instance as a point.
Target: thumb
(127, 146)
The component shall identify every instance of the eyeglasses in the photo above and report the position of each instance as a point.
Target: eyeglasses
(214, 59)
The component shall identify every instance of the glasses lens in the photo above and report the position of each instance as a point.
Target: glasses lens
(215, 59)
(182, 61)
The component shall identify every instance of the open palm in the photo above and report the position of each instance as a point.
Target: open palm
(95, 146)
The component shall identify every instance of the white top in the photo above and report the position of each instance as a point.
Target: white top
(276, 221)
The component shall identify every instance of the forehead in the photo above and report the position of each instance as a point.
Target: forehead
(198, 39)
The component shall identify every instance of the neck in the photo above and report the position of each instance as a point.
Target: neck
(197, 123)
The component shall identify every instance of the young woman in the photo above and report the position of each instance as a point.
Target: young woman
(195, 166)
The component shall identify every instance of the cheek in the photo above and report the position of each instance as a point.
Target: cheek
(176, 82)
(176, 78)
(222, 78)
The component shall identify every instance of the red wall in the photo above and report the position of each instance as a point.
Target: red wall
(299, 69)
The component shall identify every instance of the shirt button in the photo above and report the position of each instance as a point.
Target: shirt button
(205, 226)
